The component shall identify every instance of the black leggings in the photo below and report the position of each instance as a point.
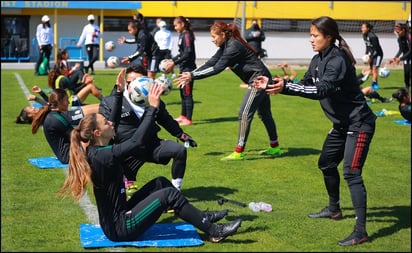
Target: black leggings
(93, 53)
(162, 152)
(148, 204)
(45, 52)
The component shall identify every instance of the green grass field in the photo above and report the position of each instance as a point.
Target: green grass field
(33, 218)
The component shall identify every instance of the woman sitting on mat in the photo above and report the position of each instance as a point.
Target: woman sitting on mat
(93, 160)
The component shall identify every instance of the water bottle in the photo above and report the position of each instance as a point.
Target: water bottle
(265, 207)
(260, 206)
(254, 207)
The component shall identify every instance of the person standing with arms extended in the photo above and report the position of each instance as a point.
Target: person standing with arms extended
(255, 36)
(331, 79)
(186, 59)
(45, 40)
(90, 36)
(374, 50)
(404, 53)
(147, 50)
(235, 53)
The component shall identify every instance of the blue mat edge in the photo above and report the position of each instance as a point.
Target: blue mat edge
(402, 122)
(55, 162)
(195, 241)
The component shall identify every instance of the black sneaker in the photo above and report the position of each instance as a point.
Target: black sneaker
(354, 239)
(216, 216)
(222, 231)
(326, 213)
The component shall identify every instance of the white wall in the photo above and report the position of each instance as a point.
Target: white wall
(293, 47)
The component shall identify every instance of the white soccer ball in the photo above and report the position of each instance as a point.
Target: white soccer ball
(139, 90)
(166, 82)
(365, 58)
(384, 72)
(113, 62)
(109, 46)
(162, 66)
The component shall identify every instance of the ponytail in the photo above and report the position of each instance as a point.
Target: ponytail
(231, 31)
(79, 168)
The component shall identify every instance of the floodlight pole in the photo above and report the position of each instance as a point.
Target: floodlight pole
(242, 31)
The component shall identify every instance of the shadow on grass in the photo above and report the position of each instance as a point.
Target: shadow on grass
(216, 120)
(209, 193)
(253, 154)
(179, 102)
(399, 216)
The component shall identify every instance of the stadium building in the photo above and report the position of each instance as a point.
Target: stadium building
(286, 24)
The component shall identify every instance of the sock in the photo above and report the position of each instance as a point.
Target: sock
(177, 183)
(194, 216)
(274, 144)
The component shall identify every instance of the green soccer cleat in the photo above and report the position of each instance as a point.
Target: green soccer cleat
(272, 151)
(235, 156)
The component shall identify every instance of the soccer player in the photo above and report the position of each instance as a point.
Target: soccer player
(235, 53)
(331, 79)
(155, 150)
(93, 160)
(374, 50)
(186, 59)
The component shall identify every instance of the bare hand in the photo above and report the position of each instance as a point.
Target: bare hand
(183, 79)
(36, 89)
(125, 60)
(260, 82)
(154, 94)
(169, 66)
(120, 81)
(121, 40)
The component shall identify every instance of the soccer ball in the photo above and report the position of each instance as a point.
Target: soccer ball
(162, 66)
(113, 62)
(139, 89)
(166, 82)
(109, 46)
(384, 72)
(365, 58)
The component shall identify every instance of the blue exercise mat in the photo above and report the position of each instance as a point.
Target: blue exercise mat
(179, 234)
(48, 163)
(402, 122)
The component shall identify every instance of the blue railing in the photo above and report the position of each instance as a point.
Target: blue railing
(15, 49)
(70, 43)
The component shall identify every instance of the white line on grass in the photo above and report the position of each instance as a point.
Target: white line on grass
(88, 207)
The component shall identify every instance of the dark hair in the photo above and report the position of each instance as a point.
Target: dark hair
(231, 31)
(23, 117)
(136, 68)
(186, 24)
(368, 25)
(55, 99)
(400, 94)
(328, 26)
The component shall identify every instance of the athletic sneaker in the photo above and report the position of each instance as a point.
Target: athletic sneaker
(180, 118)
(272, 151)
(221, 231)
(354, 239)
(235, 156)
(326, 213)
(185, 122)
(375, 86)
